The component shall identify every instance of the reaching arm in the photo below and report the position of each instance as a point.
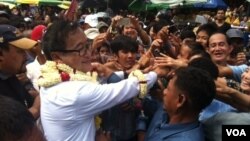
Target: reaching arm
(35, 109)
(232, 96)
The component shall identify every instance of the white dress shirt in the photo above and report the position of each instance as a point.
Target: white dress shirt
(68, 108)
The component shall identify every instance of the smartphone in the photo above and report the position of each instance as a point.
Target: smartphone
(124, 21)
(156, 53)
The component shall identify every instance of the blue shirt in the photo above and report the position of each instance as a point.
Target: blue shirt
(237, 71)
(160, 130)
(215, 107)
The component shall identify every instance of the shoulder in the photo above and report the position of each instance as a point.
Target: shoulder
(240, 68)
(185, 132)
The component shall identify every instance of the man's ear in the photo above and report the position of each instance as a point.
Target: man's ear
(56, 57)
(115, 55)
(181, 100)
(230, 49)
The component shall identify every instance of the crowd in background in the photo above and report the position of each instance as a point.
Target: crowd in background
(201, 62)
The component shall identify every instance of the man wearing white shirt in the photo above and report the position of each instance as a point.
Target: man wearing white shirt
(68, 106)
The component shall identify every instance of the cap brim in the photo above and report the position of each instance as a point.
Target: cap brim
(23, 43)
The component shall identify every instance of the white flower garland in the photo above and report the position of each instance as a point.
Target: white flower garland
(142, 81)
(53, 73)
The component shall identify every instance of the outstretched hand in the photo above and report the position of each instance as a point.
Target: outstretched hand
(101, 69)
(161, 71)
(169, 62)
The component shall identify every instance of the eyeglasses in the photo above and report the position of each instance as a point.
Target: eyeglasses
(81, 52)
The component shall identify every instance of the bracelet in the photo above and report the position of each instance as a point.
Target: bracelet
(233, 84)
(142, 82)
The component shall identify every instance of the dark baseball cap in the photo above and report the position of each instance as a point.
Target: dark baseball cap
(235, 33)
(8, 36)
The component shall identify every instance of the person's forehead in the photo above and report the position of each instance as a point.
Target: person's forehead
(217, 37)
(129, 26)
(12, 47)
(104, 48)
(220, 11)
(126, 51)
(75, 35)
(202, 33)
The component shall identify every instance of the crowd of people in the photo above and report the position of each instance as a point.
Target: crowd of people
(112, 77)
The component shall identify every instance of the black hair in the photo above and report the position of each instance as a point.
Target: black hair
(16, 121)
(187, 34)
(52, 17)
(165, 14)
(158, 25)
(105, 44)
(221, 9)
(208, 28)
(56, 36)
(197, 85)
(194, 46)
(205, 64)
(122, 42)
(200, 52)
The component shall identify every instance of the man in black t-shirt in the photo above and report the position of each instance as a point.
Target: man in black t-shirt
(12, 62)
(220, 21)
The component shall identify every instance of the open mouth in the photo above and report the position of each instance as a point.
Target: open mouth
(218, 54)
(245, 83)
(131, 62)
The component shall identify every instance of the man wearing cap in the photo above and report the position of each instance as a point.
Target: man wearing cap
(12, 62)
(91, 20)
(102, 27)
(33, 68)
(236, 39)
(83, 24)
(91, 33)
